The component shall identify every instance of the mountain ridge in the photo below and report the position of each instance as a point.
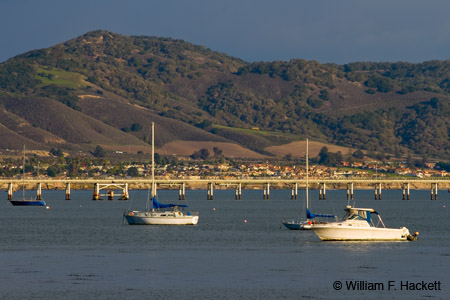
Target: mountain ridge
(110, 87)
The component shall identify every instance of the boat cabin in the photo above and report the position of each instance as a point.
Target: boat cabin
(361, 214)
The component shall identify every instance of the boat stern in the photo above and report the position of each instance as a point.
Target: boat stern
(411, 237)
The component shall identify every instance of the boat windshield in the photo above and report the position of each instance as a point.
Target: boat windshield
(356, 217)
(355, 214)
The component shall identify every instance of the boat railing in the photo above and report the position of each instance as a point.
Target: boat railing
(380, 221)
(184, 210)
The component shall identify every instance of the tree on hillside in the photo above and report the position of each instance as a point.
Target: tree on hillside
(323, 155)
(201, 154)
(382, 84)
(358, 154)
(56, 152)
(204, 124)
(329, 158)
(324, 95)
(204, 154)
(217, 151)
(99, 151)
(51, 171)
(136, 127)
(133, 172)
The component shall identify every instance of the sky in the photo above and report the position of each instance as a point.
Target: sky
(328, 31)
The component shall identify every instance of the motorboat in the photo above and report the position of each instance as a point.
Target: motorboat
(358, 225)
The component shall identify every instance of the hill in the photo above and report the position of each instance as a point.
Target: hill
(105, 89)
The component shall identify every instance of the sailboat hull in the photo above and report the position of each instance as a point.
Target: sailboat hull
(160, 218)
(297, 225)
(27, 202)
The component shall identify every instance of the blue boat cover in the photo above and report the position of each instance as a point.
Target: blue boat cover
(156, 204)
(310, 215)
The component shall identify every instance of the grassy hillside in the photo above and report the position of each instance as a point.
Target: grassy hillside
(105, 88)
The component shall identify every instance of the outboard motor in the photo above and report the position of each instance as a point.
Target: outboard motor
(413, 237)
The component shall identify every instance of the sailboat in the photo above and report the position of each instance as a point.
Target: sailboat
(24, 201)
(160, 214)
(295, 224)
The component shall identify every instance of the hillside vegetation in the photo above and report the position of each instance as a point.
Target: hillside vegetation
(105, 88)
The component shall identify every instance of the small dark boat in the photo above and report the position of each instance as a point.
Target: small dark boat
(27, 202)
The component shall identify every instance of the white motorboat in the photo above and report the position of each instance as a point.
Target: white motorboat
(160, 214)
(357, 225)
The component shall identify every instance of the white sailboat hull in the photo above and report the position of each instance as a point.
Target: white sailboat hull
(160, 218)
(341, 232)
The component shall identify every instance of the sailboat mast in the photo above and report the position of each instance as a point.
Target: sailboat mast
(307, 176)
(153, 160)
(23, 174)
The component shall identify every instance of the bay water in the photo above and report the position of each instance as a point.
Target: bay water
(80, 249)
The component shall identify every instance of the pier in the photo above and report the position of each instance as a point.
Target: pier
(211, 184)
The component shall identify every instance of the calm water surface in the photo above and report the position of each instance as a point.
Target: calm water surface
(80, 249)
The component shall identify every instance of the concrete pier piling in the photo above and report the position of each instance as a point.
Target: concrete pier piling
(350, 191)
(238, 192)
(266, 194)
(68, 191)
(39, 191)
(377, 191)
(210, 195)
(182, 191)
(322, 191)
(405, 191)
(294, 191)
(96, 195)
(125, 195)
(434, 191)
(10, 191)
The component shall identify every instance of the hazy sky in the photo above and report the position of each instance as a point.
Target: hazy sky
(338, 31)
